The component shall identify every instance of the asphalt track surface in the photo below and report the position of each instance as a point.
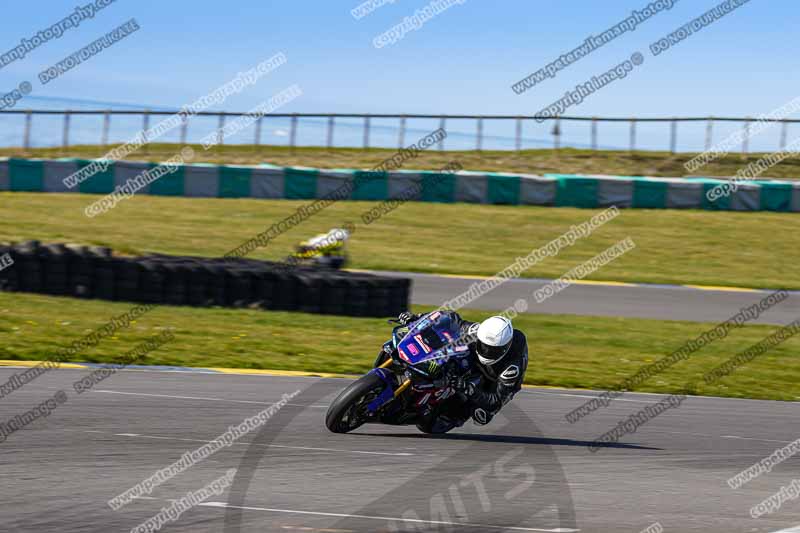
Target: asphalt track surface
(530, 469)
(661, 302)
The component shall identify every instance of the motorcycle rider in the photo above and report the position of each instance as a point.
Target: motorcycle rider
(498, 360)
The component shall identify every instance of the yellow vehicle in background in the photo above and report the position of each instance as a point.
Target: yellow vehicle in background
(328, 250)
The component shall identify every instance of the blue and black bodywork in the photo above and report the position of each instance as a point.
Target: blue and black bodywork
(421, 349)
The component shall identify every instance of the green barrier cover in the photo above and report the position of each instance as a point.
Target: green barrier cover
(300, 183)
(574, 191)
(234, 182)
(26, 175)
(503, 189)
(170, 184)
(438, 187)
(100, 183)
(723, 203)
(370, 185)
(775, 196)
(649, 194)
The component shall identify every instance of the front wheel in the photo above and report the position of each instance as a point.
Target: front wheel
(349, 410)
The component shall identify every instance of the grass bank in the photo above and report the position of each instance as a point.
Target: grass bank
(760, 249)
(569, 351)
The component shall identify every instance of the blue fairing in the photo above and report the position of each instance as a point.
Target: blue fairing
(388, 392)
(431, 338)
(428, 338)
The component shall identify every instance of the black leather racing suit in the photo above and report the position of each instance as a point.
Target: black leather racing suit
(494, 385)
(498, 382)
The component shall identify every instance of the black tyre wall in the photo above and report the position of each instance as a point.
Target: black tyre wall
(93, 272)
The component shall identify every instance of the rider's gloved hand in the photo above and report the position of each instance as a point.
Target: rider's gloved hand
(462, 385)
(406, 317)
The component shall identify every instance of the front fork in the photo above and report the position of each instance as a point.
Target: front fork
(392, 390)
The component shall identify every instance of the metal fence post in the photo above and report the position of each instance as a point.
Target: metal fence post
(258, 130)
(442, 126)
(184, 128)
(366, 132)
(709, 132)
(479, 141)
(594, 133)
(557, 134)
(518, 135)
(633, 135)
(746, 137)
(26, 138)
(106, 127)
(293, 132)
(402, 135)
(673, 136)
(784, 132)
(145, 127)
(221, 130)
(330, 132)
(65, 133)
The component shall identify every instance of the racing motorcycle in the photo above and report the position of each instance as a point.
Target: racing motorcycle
(412, 382)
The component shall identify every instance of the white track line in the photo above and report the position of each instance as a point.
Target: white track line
(755, 438)
(203, 398)
(306, 448)
(735, 437)
(586, 396)
(385, 518)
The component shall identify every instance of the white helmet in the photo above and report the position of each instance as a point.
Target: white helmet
(494, 339)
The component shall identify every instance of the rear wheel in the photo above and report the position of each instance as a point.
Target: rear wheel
(349, 410)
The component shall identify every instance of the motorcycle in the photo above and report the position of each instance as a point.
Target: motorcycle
(326, 250)
(412, 382)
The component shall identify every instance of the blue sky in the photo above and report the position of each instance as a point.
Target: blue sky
(462, 61)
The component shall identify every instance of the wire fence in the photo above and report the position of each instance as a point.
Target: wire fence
(555, 127)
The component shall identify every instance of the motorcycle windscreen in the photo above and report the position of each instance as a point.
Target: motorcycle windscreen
(428, 339)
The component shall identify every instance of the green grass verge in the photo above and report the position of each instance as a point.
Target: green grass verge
(569, 351)
(564, 161)
(760, 249)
